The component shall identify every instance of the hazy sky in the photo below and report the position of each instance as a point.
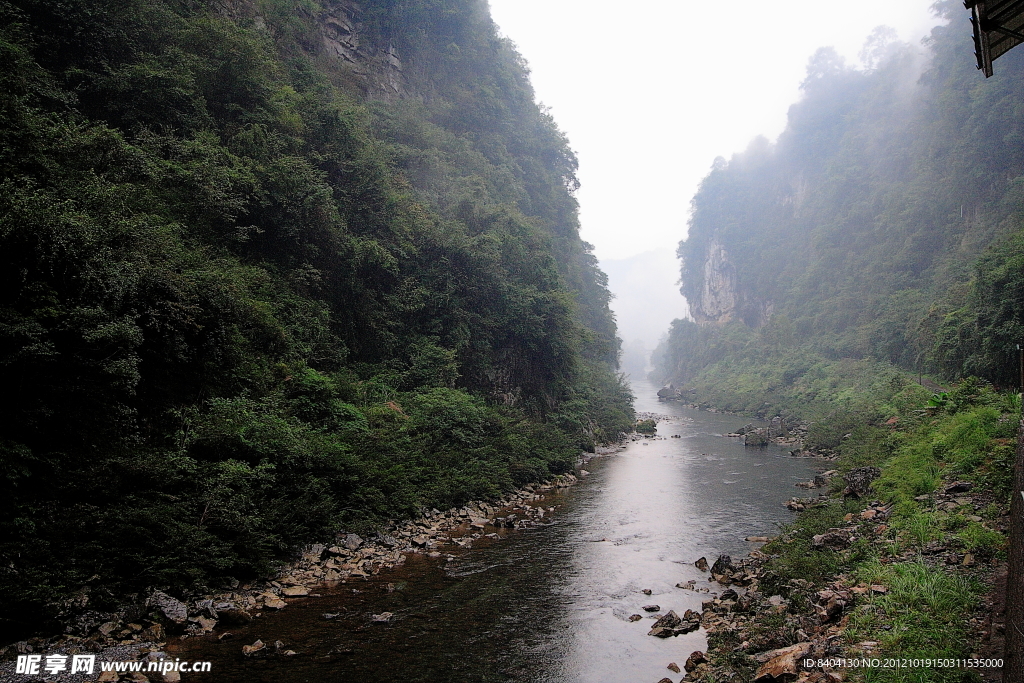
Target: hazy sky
(651, 92)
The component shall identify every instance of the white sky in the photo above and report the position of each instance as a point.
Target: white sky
(650, 92)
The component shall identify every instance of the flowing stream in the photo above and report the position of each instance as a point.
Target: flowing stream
(550, 603)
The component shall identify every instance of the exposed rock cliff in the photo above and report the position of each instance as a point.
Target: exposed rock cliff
(720, 300)
(718, 296)
(375, 68)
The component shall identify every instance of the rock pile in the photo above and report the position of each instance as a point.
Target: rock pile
(777, 431)
(144, 628)
(671, 624)
(772, 635)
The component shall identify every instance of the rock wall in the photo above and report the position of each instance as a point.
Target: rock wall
(376, 70)
(718, 296)
(721, 299)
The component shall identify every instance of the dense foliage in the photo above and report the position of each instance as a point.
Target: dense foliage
(884, 224)
(248, 299)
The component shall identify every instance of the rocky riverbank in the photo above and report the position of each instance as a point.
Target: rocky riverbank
(768, 625)
(777, 431)
(141, 631)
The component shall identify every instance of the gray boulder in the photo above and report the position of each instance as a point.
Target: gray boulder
(756, 439)
(831, 540)
(858, 481)
(172, 608)
(722, 565)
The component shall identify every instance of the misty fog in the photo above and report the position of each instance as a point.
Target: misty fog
(646, 300)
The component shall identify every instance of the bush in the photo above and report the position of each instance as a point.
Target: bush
(646, 427)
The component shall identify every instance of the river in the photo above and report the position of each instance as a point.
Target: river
(550, 603)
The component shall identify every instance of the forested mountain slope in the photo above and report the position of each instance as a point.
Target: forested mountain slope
(270, 268)
(883, 225)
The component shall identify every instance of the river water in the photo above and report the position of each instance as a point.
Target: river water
(550, 603)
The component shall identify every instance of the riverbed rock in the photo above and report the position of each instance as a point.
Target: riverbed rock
(830, 608)
(274, 602)
(207, 608)
(669, 620)
(668, 392)
(824, 478)
(295, 591)
(172, 608)
(722, 565)
(651, 608)
(687, 627)
(153, 634)
(673, 667)
(695, 659)
(858, 480)
(671, 624)
(352, 542)
(382, 618)
(701, 564)
(782, 663)
(249, 650)
(206, 623)
(755, 439)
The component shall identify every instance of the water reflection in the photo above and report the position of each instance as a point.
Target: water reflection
(648, 514)
(551, 603)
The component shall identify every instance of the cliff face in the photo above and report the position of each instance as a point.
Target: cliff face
(345, 39)
(720, 298)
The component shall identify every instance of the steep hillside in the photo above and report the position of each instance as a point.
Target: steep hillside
(857, 235)
(880, 240)
(270, 268)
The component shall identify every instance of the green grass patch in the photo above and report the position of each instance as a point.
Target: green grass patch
(922, 615)
(793, 555)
